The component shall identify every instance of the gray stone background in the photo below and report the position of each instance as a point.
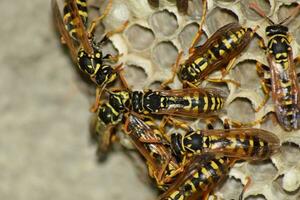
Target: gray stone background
(45, 151)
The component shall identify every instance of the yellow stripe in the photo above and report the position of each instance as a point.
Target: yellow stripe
(213, 103)
(226, 43)
(205, 103)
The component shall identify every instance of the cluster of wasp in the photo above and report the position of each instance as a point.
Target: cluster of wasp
(185, 166)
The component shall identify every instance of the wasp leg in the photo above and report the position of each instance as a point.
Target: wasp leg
(98, 19)
(224, 73)
(263, 72)
(96, 104)
(199, 33)
(124, 82)
(179, 123)
(174, 72)
(249, 180)
(236, 123)
(221, 80)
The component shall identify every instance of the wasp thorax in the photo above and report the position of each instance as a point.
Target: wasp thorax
(89, 63)
(119, 100)
(105, 75)
(108, 115)
(276, 29)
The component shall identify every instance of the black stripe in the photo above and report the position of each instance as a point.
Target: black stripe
(256, 146)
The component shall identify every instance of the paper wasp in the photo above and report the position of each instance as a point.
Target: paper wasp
(219, 51)
(280, 76)
(150, 142)
(182, 5)
(80, 41)
(188, 102)
(199, 178)
(240, 143)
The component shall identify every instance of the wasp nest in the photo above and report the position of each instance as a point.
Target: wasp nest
(149, 47)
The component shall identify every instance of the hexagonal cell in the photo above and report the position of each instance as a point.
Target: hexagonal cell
(139, 37)
(135, 76)
(266, 169)
(230, 188)
(195, 9)
(291, 154)
(213, 21)
(244, 106)
(164, 22)
(165, 54)
(187, 35)
(252, 14)
(248, 75)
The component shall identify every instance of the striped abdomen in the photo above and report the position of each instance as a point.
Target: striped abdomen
(224, 45)
(250, 143)
(189, 102)
(70, 22)
(199, 178)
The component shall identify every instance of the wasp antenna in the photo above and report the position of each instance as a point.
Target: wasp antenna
(287, 20)
(259, 11)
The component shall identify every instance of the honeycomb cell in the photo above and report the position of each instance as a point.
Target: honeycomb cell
(250, 13)
(165, 54)
(244, 106)
(164, 22)
(213, 19)
(139, 37)
(247, 70)
(187, 35)
(135, 76)
(195, 9)
(265, 168)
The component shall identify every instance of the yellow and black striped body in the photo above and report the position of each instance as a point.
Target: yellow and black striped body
(284, 84)
(70, 22)
(224, 45)
(189, 102)
(241, 143)
(149, 141)
(199, 178)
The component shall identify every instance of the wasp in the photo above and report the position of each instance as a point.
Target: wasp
(242, 143)
(280, 76)
(199, 178)
(219, 51)
(80, 41)
(182, 5)
(188, 102)
(150, 142)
